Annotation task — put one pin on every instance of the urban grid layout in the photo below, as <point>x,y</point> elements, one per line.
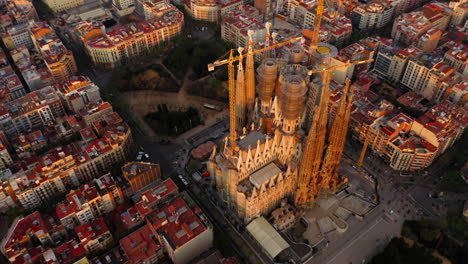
<point>233,131</point>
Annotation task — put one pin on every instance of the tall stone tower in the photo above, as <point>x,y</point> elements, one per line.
<point>323,149</point>
<point>241,105</point>
<point>274,159</point>
<point>250,79</point>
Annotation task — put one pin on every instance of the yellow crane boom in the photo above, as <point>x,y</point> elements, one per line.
<point>221,61</point>
<point>346,64</point>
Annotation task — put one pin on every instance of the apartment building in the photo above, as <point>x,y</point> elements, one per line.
<point>457,57</point>
<point>335,29</point>
<point>155,197</point>
<point>211,10</point>
<point>373,15</point>
<point>26,143</point>
<point>35,110</point>
<point>406,151</point>
<point>95,111</point>
<point>8,198</point>
<point>35,73</point>
<point>21,234</point>
<point>235,26</point>
<point>69,252</point>
<point>89,202</point>
<point>428,41</point>
<point>123,4</point>
<point>392,64</point>
<point>45,177</point>
<point>181,230</point>
<point>5,158</point>
<point>458,94</point>
<point>94,236</point>
<point>126,43</point>
<point>88,30</point>
<point>141,174</point>
<point>141,246</point>
<point>33,190</point>
<point>10,85</point>
<point>424,73</point>
<point>405,143</point>
<point>442,125</point>
<point>403,6</point>
<point>77,92</point>
<point>155,8</point>
<point>151,200</point>
<point>58,59</point>
<point>16,13</point>
<point>408,27</point>
<point>460,14</point>
<point>65,167</point>
<point>17,36</point>
<point>302,13</point>
<point>62,5</point>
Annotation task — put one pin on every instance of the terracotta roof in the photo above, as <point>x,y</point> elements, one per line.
<point>140,245</point>
<point>177,223</point>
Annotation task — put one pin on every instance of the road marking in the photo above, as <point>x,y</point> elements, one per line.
<point>357,238</point>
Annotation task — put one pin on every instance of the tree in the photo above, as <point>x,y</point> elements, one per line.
<point>430,235</point>
<point>356,35</point>
<point>453,181</point>
<point>399,252</point>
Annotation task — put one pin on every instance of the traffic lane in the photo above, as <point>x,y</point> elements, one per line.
<point>160,154</point>
<point>218,220</point>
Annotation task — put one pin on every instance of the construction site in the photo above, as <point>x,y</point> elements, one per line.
<point>286,138</point>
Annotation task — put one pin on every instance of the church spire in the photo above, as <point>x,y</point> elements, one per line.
<point>240,95</point>
<point>313,152</point>
<point>250,78</point>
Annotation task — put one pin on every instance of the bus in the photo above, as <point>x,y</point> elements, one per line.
<point>213,107</point>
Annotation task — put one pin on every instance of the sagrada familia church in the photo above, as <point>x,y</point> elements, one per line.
<point>284,143</point>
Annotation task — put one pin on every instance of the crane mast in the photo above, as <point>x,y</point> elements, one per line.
<point>232,100</point>
<point>315,39</point>
<point>363,152</point>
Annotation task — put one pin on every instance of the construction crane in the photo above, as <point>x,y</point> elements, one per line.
<point>363,152</point>
<point>221,61</point>
<point>346,64</point>
<point>329,70</point>
<point>232,84</point>
<point>315,39</point>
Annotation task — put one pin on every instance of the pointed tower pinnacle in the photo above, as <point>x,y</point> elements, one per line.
<point>273,37</point>
<point>240,95</point>
<point>307,185</point>
<point>250,78</point>
<point>331,161</point>
<point>267,39</point>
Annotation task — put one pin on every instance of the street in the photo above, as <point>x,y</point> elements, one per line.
<point>398,202</point>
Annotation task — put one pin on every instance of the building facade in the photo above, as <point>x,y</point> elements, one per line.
<point>58,59</point>
<point>62,5</point>
<point>372,15</point>
<point>141,174</point>
<point>123,44</point>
